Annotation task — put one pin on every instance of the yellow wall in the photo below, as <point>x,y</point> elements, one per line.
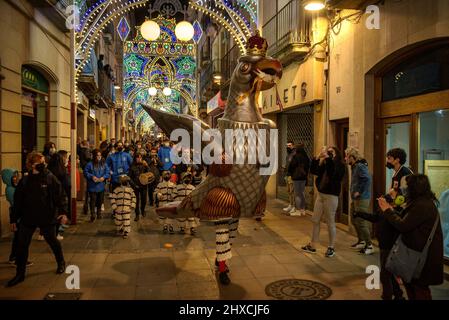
<point>356,50</point>
<point>23,41</point>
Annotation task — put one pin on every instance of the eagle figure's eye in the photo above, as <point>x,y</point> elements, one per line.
<point>245,68</point>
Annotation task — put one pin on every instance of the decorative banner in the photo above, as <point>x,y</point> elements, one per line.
<point>198,32</point>
<point>123,29</point>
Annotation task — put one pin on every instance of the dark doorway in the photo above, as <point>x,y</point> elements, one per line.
<point>29,137</point>
<point>342,132</point>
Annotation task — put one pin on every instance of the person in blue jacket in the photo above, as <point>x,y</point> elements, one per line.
<point>119,164</point>
<point>96,173</point>
<point>164,156</point>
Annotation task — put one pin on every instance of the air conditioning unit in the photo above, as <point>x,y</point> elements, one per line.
<point>107,38</point>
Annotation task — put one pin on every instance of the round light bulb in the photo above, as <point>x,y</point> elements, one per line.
<point>314,5</point>
<point>166,91</point>
<point>152,91</point>
<point>184,31</point>
<point>150,30</point>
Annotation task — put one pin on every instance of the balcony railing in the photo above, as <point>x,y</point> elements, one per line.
<point>106,89</point>
<point>288,30</point>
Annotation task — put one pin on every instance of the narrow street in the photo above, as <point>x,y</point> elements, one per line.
<point>141,267</point>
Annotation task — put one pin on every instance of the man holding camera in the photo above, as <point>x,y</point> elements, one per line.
<point>330,170</point>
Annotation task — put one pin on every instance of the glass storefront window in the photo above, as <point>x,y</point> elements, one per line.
<point>398,136</point>
<point>426,73</point>
<point>434,161</point>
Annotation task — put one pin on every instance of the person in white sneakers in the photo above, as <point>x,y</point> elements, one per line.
<point>288,179</point>
<point>360,195</point>
<point>298,170</point>
<point>123,201</point>
<point>183,190</point>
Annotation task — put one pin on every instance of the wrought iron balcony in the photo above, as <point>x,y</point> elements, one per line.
<point>288,33</point>
<point>106,90</point>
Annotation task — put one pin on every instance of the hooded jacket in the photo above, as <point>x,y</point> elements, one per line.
<point>119,163</point>
<point>299,166</point>
<point>100,171</point>
<point>38,200</point>
<point>7,175</point>
<point>360,180</point>
<point>164,156</point>
<point>329,176</point>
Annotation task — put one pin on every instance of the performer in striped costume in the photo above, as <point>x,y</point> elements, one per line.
<point>165,193</point>
<point>123,200</point>
<point>225,231</point>
<point>183,190</point>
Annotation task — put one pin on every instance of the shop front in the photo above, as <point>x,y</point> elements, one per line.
<point>413,114</point>
<point>296,108</point>
<point>35,112</point>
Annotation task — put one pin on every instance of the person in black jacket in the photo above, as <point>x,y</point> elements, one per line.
<point>330,170</point>
<point>39,203</point>
<point>138,167</point>
<point>59,170</point>
<point>154,163</point>
<point>85,156</point>
<point>298,170</point>
<point>415,224</point>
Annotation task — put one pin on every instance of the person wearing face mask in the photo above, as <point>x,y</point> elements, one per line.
<point>96,174</point>
<point>119,164</point>
<point>360,195</point>
<point>49,150</point>
<point>164,193</point>
<point>330,170</point>
<point>183,190</point>
<point>39,203</point>
<point>154,163</point>
<point>420,226</point>
<point>396,159</point>
<point>288,179</point>
<point>138,168</point>
<point>57,166</point>
<point>164,156</point>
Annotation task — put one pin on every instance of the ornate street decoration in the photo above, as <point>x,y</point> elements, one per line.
<point>238,17</point>
<point>123,29</point>
<point>198,31</point>
<point>164,63</point>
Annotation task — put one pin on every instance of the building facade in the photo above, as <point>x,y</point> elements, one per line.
<point>35,87</point>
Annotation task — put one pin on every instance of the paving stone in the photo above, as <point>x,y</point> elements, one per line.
<point>142,267</point>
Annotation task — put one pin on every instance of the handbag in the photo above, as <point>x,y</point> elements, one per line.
<point>408,263</point>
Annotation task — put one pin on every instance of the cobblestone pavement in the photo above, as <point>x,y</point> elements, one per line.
<point>141,267</point>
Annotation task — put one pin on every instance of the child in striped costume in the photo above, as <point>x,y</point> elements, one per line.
<point>123,201</point>
<point>164,193</point>
<point>183,190</point>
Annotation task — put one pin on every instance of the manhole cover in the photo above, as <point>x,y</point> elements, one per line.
<point>63,296</point>
<point>294,289</point>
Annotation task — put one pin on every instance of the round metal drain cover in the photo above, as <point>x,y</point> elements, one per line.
<point>294,289</point>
